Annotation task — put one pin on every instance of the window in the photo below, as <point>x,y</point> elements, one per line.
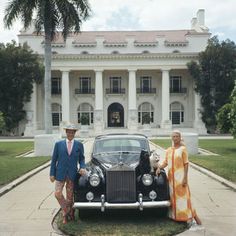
<point>146,113</point>
<point>146,84</point>
<point>56,114</point>
<point>175,84</point>
<point>56,85</point>
<point>85,114</point>
<point>115,52</point>
<point>85,84</point>
<point>176,113</point>
<point>115,84</point>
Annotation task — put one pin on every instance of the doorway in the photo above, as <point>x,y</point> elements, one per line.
<point>115,115</point>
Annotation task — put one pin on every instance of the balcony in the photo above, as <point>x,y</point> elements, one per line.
<point>178,90</point>
<point>84,91</point>
<point>146,90</point>
<point>115,91</point>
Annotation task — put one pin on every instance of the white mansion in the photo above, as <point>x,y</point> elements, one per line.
<point>115,81</point>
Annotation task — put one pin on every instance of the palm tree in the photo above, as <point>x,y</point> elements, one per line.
<point>50,16</point>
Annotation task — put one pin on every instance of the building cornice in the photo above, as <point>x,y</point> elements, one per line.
<point>125,56</point>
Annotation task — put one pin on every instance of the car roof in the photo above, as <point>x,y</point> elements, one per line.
<point>121,135</point>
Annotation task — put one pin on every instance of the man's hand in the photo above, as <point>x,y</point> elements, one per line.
<point>82,172</point>
<point>52,179</point>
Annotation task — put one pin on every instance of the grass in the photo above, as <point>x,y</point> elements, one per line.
<point>123,223</point>
<point>224,164</point>
<point>11,166</point>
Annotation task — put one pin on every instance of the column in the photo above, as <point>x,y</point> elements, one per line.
<point>31,114</point>
<point>65,97</point>
<point>198,123</point>
<point>98,90</point>
<point>34,100</point>
<point>165,121</point>
<point>98,112</point>
<point>132,106</point>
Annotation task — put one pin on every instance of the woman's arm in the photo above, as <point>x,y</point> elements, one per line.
<point>185,162</point>
<point>185,179</point>
<point>162,165</point>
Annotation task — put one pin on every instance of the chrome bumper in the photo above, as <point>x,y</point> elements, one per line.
<point>136,205</point>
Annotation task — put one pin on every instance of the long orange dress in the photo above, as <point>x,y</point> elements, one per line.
<point>181,206</point>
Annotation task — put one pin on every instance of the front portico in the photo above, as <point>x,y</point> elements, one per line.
<point>120,99</point>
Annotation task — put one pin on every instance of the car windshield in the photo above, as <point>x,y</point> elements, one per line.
<point>114,150</point>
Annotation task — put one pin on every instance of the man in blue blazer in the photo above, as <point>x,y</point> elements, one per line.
<point>66,156</point>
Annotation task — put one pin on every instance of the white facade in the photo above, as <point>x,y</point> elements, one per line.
<point>117,78</point>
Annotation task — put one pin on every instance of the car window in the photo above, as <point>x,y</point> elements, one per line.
<point>124,144</point>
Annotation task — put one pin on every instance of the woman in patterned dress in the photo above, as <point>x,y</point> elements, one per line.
<point>177,161</point>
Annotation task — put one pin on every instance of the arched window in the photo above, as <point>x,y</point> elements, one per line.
<point>56,114</point>
<point>85,114</point>
<point>145,113</point>
<point>176,113</point>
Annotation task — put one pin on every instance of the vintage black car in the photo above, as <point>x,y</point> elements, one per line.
<point>119,176</point>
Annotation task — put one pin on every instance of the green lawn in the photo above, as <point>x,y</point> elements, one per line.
<point>123,223</point>
<point>223,165</point>
<point>12,167</point>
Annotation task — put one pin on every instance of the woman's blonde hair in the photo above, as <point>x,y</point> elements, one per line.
<point>179,133</point>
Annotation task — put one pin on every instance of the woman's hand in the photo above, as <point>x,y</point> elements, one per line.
<point>158,170</point>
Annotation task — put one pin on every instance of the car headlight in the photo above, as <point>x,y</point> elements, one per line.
<point>147,179</point>
<point>94,180</point>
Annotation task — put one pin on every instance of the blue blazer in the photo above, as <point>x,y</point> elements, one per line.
<point>64,165</point>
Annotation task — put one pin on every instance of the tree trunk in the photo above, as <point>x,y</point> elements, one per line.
<point>47,85</point>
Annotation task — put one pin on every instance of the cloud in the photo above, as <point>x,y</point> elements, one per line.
<point>155,15</point>
<point>123,18</point>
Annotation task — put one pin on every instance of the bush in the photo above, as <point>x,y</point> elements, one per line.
<point>224,119</point>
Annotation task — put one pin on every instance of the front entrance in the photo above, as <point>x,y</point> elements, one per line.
<point>115,115</point>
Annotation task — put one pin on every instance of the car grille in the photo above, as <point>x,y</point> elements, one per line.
<point>120,184</point>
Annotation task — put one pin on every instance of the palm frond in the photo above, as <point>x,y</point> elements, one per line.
<point>12,11</point>
<point>50,15</point>
<point>22,9</point>
<point>72,15</point>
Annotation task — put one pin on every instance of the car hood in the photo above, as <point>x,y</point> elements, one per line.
<point>111,159</point>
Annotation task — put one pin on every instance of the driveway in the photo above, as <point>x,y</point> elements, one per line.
<point>29,208</point>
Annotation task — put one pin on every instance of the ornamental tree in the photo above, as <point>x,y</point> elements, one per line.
<point>19,68</point>
<point>214,76</point>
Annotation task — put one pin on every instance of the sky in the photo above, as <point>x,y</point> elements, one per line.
<point>148,15</point>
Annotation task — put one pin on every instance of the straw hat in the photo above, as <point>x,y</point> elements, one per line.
<point>71,127</point>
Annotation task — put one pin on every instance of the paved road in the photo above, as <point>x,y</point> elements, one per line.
<point>28,209</point>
